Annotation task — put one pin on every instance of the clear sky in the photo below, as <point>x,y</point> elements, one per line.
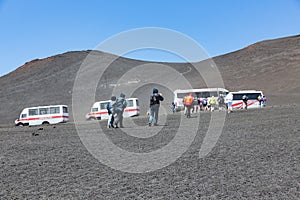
<point>33,29</point>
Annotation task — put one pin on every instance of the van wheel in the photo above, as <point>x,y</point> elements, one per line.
<point>93,119</point>
<point>20,124</point>
<point>45,123</point>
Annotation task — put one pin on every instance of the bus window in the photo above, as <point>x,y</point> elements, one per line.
<point>215,94</point>
<point>33,112</point>
<point>65,109</point>
<point>182,95</point>
<point>54,110</point>
<point>44,111</point>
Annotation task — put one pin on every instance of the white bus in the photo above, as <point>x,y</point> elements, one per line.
<point>43,115</point>
<point>99,111</point>
<point>199,93</point>
<point>237,102</point>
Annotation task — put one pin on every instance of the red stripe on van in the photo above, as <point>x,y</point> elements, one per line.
<point>131,109</point>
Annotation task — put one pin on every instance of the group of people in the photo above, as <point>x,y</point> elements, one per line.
<point>117,106</point>
<point>115,109</point>
<point>262,100</point>
<point>195,105</point>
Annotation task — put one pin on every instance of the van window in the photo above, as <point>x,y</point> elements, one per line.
<point>23,115</point>
<point>251,96</point>
<point>130,103</point>
<point>65,109</point>
<point>103,106</point>
<point>33,112</point>
<point>54,110</point>
<point>94,109</point>
<point>44,111</point>
<point>137,103</point>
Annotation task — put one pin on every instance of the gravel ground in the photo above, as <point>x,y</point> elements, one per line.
<point>256,157</point>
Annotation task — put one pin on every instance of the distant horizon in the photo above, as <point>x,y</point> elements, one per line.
<point>30,30</point>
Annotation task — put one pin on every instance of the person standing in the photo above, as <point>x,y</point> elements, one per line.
<point>173,107</point>
<point>155,100</point>
<point>260,99</point>
<point>118,108</point>
<point>245,101</point>
<point>188,103</point>
<point>228,101</point>
<point>196,105</point>
<point>221,102</point>
<point>110,111</point>
<point>264,100</point>
<point>212,103</point>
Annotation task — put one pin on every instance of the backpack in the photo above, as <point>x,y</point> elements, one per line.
<point>221,100</point>
<point>188,100</point>
<point>153,99</point>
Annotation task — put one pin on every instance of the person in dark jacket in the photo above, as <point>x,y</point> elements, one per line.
<point>155,99</point>
<point>118,108</point>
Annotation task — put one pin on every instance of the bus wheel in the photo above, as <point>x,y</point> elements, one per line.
<point>45,123</point>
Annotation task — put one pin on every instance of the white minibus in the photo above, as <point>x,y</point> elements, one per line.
<point>199,93</point>
<point>99,111</point>
<point>43,115</point>
<point>253,102</point>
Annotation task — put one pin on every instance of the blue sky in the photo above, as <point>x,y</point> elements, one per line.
<point>41,28</point>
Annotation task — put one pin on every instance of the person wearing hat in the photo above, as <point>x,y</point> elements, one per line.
<point>155,99</point>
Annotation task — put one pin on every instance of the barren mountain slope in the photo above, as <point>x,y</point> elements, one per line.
<point>272,66</point>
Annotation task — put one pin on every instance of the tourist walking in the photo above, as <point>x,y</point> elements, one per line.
<point>212,103</point>
<point>245,101</point>
<point>118,108</point>
<point>173,107</point>
<point>110,111</point>
<point>155,100</point>
<point>188,103</point>
<point>228,101</point>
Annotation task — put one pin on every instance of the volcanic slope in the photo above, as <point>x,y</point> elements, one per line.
<point>272,66</point>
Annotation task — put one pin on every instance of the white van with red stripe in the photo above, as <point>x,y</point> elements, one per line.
<point>43,115</point>
<point>237,102</point>
<point>99,111</point>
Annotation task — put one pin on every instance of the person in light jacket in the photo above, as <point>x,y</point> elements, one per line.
<point>118,108</point>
